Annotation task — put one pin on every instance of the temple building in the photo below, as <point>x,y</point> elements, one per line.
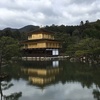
<point>41,43</point>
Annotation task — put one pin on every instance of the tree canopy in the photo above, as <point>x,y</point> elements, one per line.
<point>9,48</point>
<point>74,38</point>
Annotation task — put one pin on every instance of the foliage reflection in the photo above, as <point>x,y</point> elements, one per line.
<point>43,74</point>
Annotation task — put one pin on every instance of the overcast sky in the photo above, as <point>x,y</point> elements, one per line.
<point>19,13</point>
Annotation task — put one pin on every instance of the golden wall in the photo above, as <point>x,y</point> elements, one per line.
<point>36,45</point>
<point>43,45</point>
<point>40,36</point>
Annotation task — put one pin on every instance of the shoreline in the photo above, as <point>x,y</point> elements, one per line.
<point>44,58</point>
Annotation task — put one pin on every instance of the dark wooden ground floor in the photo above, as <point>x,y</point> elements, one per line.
<point>37,52</point>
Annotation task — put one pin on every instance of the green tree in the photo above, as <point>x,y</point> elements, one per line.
<point>9,48</point>
<point>91,32</point>
<point>88,47</point>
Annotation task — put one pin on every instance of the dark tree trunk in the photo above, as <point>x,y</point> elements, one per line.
<point>0,63</point>
<point>1,91</point>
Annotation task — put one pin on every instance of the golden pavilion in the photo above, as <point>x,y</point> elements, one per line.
<point>41,43</point>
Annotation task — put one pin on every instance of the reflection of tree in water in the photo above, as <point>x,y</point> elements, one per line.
<point>96,93</point>
<point>72,72</point>
<point>86,75</point>
<point>13,96</point>
<point>4,85</point>
<point>1,91</point>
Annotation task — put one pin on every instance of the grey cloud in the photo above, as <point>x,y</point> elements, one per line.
<point>18,13</point>
<point>11,5</point>
<point>48,12</point>
<point>83,1</point>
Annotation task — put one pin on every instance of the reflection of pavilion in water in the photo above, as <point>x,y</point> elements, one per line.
<point>42,76</point>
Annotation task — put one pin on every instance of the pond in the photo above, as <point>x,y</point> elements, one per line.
<point>52,80</point>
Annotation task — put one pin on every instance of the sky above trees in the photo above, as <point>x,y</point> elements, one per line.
<point>19,13</point>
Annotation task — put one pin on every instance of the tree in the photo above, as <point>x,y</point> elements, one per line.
<point>16,35</point>
<point>88,47</point>
<point>8,48</point>
<point>7,32</point>
<point>91,32</point>
<point>87,22</point>
<point>81,23</point>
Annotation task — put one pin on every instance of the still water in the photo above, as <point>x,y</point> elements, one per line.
<point>52,80</point>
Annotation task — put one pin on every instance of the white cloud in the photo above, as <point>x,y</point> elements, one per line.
<point>18,13</point>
